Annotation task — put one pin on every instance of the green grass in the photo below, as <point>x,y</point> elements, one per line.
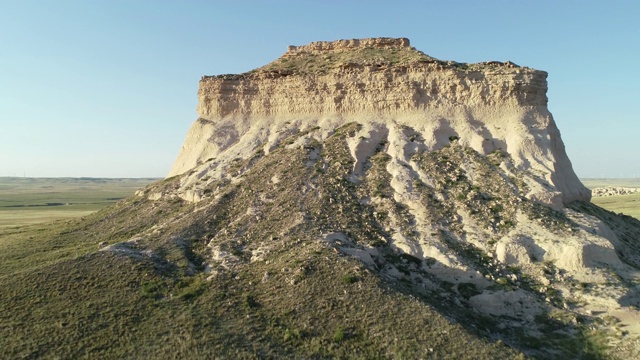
<point>60,297</point>
<point>101,305</point>
<point>25,201</point>
<point>626,204</point>
<point>33,246</point>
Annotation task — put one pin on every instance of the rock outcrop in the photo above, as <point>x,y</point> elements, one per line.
<point>614,191</point>
<point>385,85</point>
<point>351,44</point>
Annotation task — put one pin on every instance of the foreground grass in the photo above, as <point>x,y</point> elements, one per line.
<point>60,297</point>
<point>28,247</point>
<point>104,305</point>
<point>25,201</point>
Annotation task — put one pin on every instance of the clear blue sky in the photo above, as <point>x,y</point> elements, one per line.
<point>107,88</point>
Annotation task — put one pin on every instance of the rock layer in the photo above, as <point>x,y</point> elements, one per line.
<point>341,45</point>
<point>614,191</point>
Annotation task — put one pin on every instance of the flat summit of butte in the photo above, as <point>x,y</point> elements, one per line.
<point>354,198</point>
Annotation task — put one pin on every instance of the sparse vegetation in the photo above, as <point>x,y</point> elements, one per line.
<point>251,270</point>
<point>320,63</point>
<point>349,279</point>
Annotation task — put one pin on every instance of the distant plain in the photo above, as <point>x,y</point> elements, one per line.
<point>26,201</point>
<point>625,204</point>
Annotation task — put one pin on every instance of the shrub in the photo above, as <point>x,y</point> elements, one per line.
<point>250,301</point>
<point>467,290</point>
<point>349,279</point>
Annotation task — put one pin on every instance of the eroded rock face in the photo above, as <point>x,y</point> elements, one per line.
<point>384,82</point>
<point>374,89</point>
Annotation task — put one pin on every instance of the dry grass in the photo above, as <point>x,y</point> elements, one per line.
<point>625,204</point>
<point>592,183</point>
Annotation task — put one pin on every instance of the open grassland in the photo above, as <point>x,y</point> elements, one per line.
<point>26,201</point>
<point>625,204</point>
<point>592,183</point>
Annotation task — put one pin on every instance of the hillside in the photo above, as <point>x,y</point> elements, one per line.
<point>386,205</point>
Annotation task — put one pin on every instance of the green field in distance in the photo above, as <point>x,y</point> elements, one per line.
<point>592,183</point>
<point>625,204</point>
<point>25,201</point>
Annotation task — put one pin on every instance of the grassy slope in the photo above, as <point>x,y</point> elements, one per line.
<point>59,297</point>
<point>323,62</point>
<point>318,63</point>
<point>90,304</point>
<point>26,201</point>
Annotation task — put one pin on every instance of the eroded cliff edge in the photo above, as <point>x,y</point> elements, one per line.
<point>385,85</point>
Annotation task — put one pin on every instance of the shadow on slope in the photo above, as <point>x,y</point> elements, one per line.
<point>626,229</point>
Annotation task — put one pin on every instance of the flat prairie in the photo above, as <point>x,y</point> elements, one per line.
<point>625,204</point>
<point>592,183</point>
<point>25,201</point>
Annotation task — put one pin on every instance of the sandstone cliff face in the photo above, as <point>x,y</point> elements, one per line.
<point>371,89</point>
<point>385,85</point>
